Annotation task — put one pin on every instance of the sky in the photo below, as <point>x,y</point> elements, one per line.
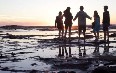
<point>44,12</point>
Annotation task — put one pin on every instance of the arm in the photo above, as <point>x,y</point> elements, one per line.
<point>87,16</point>
<point>109,19</point>
<point>75,17</point>
<point>56,22</point>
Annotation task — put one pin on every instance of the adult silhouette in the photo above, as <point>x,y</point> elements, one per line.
<point>106,22</point>
<point>81,21</point>
<point>68,21</point>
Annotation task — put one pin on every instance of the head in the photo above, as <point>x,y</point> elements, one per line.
<point>105,8</point>
<point>81,8</point>
<point>68,8</point>
<point>96,14</point>
<point>60,13</point>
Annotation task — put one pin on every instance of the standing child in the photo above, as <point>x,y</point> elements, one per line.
<point>59,24</point>
<point>96,27</point>
<point>106,22</point>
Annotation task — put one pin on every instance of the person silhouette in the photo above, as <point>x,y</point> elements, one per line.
<point>106,22</point>
<point>59,24</point>
<point>81,21</point>
<point>68,21</point>
<point>96,27</point>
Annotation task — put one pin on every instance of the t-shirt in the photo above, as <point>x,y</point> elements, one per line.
<point>106,17</point>
<point>82,17</point>
<point>59,19</point>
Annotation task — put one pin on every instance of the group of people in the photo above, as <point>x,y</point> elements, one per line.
<point>81,15</point>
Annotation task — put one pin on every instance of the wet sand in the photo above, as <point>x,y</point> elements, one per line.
<point>32,53</point>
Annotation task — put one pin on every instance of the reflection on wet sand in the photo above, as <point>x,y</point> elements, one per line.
<point>39,52</point>
<point>82,52</point>
<point>106,48</point>
<point>64,50</point>
<point>96,50</point>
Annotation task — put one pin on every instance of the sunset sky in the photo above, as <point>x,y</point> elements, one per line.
<point>44,12</point>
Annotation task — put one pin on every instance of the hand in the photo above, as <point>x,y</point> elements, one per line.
<point>73,19</point>
<point>91,18</point>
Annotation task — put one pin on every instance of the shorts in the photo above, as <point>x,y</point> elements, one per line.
<point>81,27</point>
<point>68,23</point>
<point>105,27</point>
<point>68,26</point>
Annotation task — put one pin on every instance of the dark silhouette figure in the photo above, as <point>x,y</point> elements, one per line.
<point>106,22</point>
<point>59,24</point>
<point>96,27</point>
<point>68,21</point>
<point>81,21</point>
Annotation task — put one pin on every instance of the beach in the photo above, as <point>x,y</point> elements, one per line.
<point>39,50</point>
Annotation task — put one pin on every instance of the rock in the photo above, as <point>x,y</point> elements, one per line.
<point>101,69</point>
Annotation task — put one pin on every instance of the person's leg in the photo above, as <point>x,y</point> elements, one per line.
<point>69,32</point>
<point>104,35</point>
<point>62,33</point>
<point>107,35</point>
<point>66,27</point>
<point>62,29</point>
<point>59,33</point>
<point>84,30</point>
<point>104,29</point>
<point>79,36</point>
<point>97,35</point>
<point>84,37</point>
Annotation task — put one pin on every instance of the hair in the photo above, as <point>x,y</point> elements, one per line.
<point>81,7</point>
<point>60,13</point>
<point>105,7</point>
<point>96,14</point>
